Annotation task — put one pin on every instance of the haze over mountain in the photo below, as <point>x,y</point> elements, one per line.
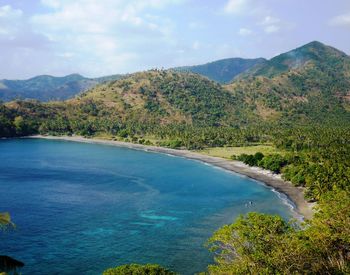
<point>223,71</point>
<point>313,55</point>
<point>295,59</point>
<point>46,87</point>
<point>309,85</point>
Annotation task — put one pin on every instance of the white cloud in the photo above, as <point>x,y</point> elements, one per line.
<point>341,20</point>
<point>254,9</point>
<point>8,12</point>
<point>21,48</point>
<point>245,7</point>
<point>268,20</point>
<point>271,24</point>
<point>236,6</point>
<point>51,3</point>
<point>14,30</point>
<point>245,32</point>
<point>113,33</point>
<point>9,20</point>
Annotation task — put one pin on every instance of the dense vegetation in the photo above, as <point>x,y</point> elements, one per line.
<point>317,158</point>
<point>265,244</point>
<point>309,85</point>
<point>298,102</point>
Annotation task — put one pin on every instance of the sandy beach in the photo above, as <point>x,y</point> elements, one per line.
<point>295,194</point>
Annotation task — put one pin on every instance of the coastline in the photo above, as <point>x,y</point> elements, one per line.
<point>294,194</point>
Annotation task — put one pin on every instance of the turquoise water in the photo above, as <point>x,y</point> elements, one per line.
<point>81,208</point>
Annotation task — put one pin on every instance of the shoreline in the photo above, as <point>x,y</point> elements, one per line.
<point>294,194</point>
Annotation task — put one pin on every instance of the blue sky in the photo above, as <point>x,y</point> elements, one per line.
<point>102,37</point>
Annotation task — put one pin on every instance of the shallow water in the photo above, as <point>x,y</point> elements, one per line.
<point>81,208</point>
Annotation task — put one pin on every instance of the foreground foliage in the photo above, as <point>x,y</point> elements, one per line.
<point>8,265</point>
<point>265,244</point>
<point>5,221</point>
<point>137,269</point>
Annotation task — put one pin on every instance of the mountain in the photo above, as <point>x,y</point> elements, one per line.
<point>46,88</point>
<point>163,97</point>
<point>223,71</point>
<point>310,83</point>
<point>307,86</point>
<point>314,52</point>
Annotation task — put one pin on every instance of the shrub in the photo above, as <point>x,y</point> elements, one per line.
<point>273,162</point>
<point>251,160</point>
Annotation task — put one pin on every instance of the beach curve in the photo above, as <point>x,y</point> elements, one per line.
<point>293,193</point>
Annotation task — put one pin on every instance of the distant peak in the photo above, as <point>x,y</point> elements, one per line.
<point>315,44</point>
<point>74,75</point>
<point>320,48</point>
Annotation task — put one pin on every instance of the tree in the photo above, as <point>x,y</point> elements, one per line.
<point>273,162</point>
<point>264,244</point>
<point>329,233</point>
<point>250,245</point>
<point>19,125</point>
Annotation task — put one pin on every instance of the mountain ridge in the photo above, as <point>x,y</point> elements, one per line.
<point>47,87</point>
<point>223,70</point>
<point>292,59</point>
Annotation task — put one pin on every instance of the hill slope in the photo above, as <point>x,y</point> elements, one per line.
<point>311,83</point>
<point>223,71</point>
<point>46,88</point>
<point>315,92</point>
<point>165,97</point>
<point>315,52</point>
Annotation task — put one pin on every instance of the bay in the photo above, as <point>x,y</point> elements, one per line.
<point>82,208</point>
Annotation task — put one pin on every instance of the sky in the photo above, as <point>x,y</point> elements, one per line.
<point>104,37</point>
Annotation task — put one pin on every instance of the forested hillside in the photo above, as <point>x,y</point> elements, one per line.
<point>316,92</point>
<point>46,88</point>
<point>308,85</point>
<point>223,71</point>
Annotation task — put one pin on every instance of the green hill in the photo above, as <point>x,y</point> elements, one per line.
<point>223,71</point>
<point>309,84</point>
<point>46,88</point>
<point>163,97</point>
<point>314,52</point>
<point>316,91</point>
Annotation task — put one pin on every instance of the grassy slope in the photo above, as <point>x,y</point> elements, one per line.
<point>227,152</point>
